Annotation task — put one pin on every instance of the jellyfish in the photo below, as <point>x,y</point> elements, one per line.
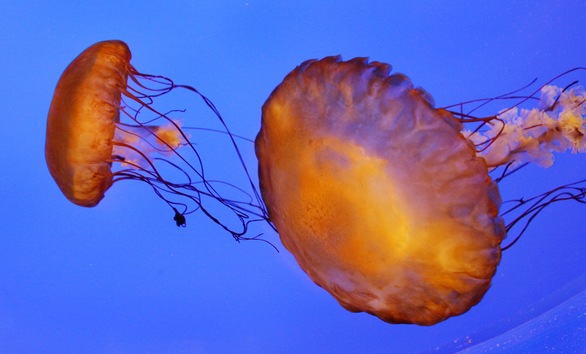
<point>387,202</point>
<point>103,127</point>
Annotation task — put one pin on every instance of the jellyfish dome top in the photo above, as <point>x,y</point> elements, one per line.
<point>381,198</point>
<point>103,127</point>
<point>82,122</point>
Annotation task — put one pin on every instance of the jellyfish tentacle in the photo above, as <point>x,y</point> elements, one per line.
<point>531,207</point>
<point>210,104</point>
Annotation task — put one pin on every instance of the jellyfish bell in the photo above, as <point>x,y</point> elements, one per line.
<point>381,198</point>
<point>82,122</point>
<point>378,196</point>
<point>103,127</point>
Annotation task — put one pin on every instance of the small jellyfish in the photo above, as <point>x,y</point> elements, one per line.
<point>103,127</point>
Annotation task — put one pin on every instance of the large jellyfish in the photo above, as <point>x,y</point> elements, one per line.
<point>102,130</point>
<point>387,202</point>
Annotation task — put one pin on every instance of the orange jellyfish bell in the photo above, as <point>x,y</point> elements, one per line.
<point>81,122</point>
<point>380,198</point>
